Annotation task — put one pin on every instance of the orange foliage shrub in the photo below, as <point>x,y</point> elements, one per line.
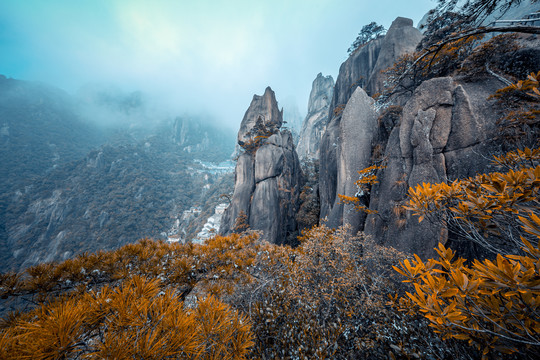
<point>489,54</point>
<point>241,223</point>
<point>129,303</point>
<point>494,305</point>
<point>412,69</point>
<point>339,109</point>
<point>521,123</point>
<point>485,208</point>
<point>367,177</point>
<point>258,134</point>
<point>137,320</point>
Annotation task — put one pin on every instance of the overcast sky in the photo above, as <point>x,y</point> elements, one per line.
<point>197,55</point>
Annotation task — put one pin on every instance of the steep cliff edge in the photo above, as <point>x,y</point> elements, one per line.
<point>317,117</point>
<point>268,174</point>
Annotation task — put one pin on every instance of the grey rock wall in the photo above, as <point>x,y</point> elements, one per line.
<point>357,130</point>
<point>400,39</point>
<point>244,185</point>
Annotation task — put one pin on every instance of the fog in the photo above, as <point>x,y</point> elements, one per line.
<point>206,57</point>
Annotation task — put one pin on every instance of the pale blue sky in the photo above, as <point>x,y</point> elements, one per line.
<point>192,55</point>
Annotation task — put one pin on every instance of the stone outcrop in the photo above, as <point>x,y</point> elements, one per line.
<point>361,69</point>
<point>443,131</point>
<point>446,130</point>
<point>292,118</point>
<point>317,117</point>
<point>198,134</point>
<point>190,134</point>
<point>355,71</point>
<point>267,178</point>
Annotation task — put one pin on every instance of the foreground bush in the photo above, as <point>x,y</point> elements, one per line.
<point>327,299</point>
<point>136,320</point>
<point>494,305</point>
<point>149,300</point>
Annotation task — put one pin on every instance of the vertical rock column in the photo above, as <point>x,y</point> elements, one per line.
<point>356,131</point>
<point>267,179</point>
<point>362,69</point>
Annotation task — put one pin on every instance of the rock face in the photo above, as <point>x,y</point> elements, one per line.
<point>264,107</point>
<point>356,132</point>
<point>444,133</point>
<point>197,134</point>
<point>292,118</point>
<point>267,178</point>
<point>400,39</point>
<point>316,118</point>
<point>190,134</point>
<point>361,69</point>
<point>446,130</point>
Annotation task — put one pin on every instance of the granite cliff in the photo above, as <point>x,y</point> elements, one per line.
<point>446,129</point>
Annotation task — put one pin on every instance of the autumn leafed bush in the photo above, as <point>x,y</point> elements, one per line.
<point>149,300</point>
<point>492,304</point>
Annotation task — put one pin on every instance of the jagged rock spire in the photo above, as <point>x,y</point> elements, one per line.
<point>268,177</point>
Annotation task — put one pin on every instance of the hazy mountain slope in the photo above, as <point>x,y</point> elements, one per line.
<point>113,196</point>
<point>67,187</point>
<point>39,129</point>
